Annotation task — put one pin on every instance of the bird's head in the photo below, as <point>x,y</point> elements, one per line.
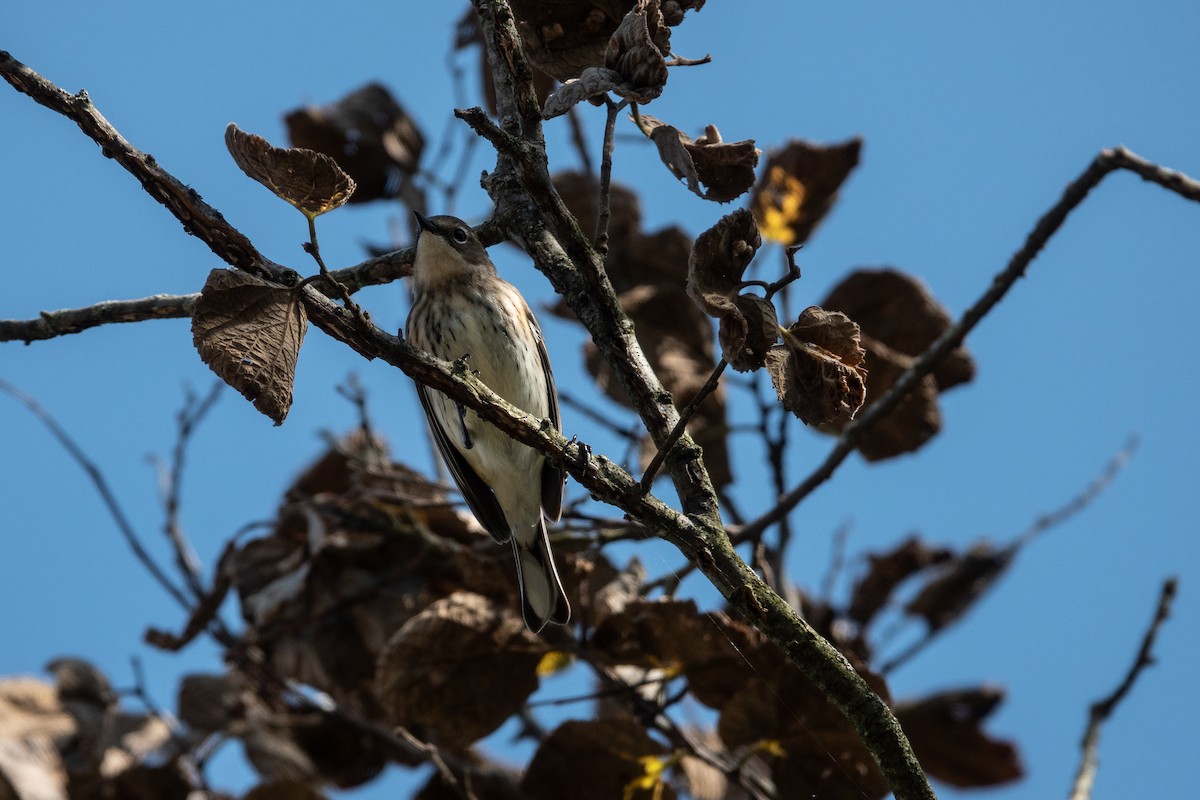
<point>448,250</point>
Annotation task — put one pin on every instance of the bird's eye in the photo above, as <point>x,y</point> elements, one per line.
<point>459,235</point>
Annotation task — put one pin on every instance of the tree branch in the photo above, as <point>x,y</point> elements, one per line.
<point>1102,709</point>
<point>698,533</point>
<point>1105,162</point>
<point>73,320</point>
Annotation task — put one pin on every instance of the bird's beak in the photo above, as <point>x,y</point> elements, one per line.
<point>422,221</point>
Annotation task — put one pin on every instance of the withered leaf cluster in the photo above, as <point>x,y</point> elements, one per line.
<point>648,272</point>
<point>564,38</point>
<point>249,332</point>
<point>899,318</point>
<point>720,255</point>
<point>311,181</point>
<point>635,64</point>
<point>371,137</point>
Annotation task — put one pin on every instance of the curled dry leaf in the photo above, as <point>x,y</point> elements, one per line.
<point>456,671</point>
<point>718,259</point>
<point>888,570</point>
<point>915,421</point>
<point>799,186</point>
<point>368,134</point>
<point>637,52</point>
<point>946,731</point>
<point>818,372</point>
<point>749,327</point>
<point>564,37</point>
<point>249,332</point>
<point>311,181</point>
<point>726,169</point>
<point>599,760</point>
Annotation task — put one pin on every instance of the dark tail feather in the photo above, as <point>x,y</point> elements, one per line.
<point>542,597</point>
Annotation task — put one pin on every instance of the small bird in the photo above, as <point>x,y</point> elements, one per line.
<point>462,309</point>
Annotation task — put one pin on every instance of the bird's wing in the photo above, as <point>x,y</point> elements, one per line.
<point>553,478</point>
<point>479,496</point>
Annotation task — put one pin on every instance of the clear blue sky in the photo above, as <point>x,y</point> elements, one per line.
<point>974,116</point>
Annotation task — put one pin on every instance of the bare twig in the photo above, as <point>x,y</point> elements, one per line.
<point>106,493</point>
<point>1104,163</point>
<point>685,416</point>
<point>1004,558</point>
<point>73,320</point>
<point>1081,501</point>
<point>1102,709</point>
<point>603,204</point>
<point>171,479</point>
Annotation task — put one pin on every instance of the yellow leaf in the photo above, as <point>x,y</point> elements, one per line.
<point>554,661</point>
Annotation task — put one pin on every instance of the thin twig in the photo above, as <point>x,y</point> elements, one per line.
<point>73,320</point>
<point>189,418</point>
<point>1102,709</point>
<point>606,154</point>
<point>106,493</point>
<point>836,561</point>
<point>685,416</point>
<point>1104,163</point>
<point>1007,555</point>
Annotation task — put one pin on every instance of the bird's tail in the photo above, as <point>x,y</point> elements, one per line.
<point>542,597</point>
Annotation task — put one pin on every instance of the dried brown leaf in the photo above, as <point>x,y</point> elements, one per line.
<point>580,191</point>
<point>726,169</point>
<point>456,671</point>
<point>799,186</point>
<point>899,310</point>
<point>959,584</point>
<point>599,760</point>
<point>948,739</point>
<point>369,134</point>
<point>817,752</point>
<point>311,181</point>
<point>818,372</point>
<point>249,332</point>
<point>887,571</point>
